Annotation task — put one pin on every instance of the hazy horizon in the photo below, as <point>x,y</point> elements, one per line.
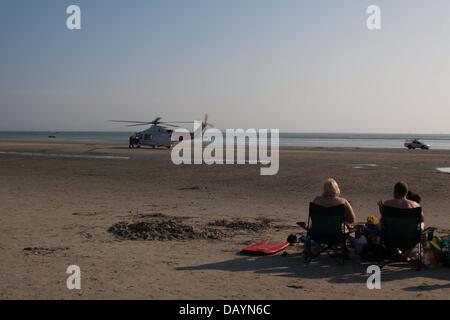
<point>406,135</point>
<point>293,65</point>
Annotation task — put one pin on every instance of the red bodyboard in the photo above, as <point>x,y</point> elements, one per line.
<point>266,247</point>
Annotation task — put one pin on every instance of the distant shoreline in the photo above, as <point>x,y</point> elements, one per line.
<point>287,139</point>
<point>36,145</point>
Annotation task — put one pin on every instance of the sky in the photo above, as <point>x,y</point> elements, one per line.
<point>293,65</point>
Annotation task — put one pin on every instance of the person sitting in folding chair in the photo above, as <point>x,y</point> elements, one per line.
<point>331,197</point>
<point>401,226</point>
<point>329,215</point>
<point>403,199</point>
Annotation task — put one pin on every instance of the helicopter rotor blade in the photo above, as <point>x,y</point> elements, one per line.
<point>138,124</point>
<point>157,120</point>
<point>171,125</point>
<point>178,122</point>
<point>127,121</point>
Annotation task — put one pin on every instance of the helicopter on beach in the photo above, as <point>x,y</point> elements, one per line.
<point>159,134</point>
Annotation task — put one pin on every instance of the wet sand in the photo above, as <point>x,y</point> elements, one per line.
<point>59,200</point>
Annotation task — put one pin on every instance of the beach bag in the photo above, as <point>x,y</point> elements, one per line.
<point>439,247</point>
<point>292,239</point>
<point>445,243</point>
<point>432,253</point>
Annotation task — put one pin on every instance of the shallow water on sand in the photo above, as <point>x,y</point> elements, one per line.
<point>57,155</point>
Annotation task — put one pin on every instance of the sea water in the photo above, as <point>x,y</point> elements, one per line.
<point>288,139</point>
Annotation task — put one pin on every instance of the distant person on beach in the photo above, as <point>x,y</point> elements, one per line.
<point>331,197</point>
<point>137,139</point>
<point>403,199</point>
<point>131,142</point>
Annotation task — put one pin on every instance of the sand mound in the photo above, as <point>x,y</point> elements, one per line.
<point>238,225</point>
<point>43,251</point>
<point>159,227</point>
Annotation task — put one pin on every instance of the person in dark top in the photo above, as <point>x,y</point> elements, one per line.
<point>137,140</point>
<point>131,142</point>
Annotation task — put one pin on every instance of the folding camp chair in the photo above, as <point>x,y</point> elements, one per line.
<point>326,227</point>
<point>400,233</point>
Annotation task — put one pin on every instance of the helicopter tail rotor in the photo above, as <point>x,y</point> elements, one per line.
<point>206,124</point>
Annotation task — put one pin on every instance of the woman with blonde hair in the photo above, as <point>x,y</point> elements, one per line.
<point>331,197</point>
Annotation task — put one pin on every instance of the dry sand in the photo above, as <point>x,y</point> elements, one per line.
<point>56,211</point>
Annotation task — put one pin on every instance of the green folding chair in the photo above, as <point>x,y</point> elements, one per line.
<point>401,233</point>
<point>326,227</point>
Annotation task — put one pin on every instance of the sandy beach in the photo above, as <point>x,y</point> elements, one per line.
<point>59,199</point>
